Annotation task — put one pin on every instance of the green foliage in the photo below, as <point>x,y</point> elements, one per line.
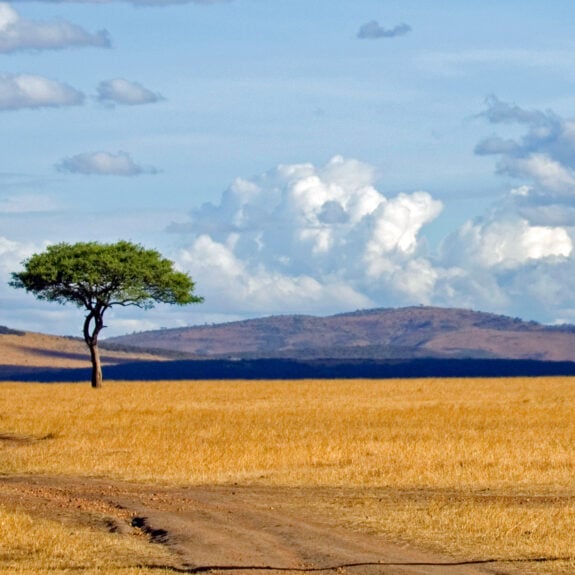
<point>97,276</point>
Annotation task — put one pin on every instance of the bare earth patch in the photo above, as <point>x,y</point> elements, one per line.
<point>243,529</point>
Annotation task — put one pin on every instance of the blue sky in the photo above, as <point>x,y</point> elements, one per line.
<point>295,156</point>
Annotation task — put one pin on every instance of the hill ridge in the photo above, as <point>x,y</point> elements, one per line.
<point>377,333</point>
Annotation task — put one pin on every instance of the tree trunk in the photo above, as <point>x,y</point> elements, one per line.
<point>96,365</point>
<point>91,339</point>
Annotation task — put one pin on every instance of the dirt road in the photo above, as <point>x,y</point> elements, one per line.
<point>242,529</point>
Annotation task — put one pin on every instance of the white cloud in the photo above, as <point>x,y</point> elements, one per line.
<point>12,254</point>
<point>396,226</point>
<point>544,171</point>
<point>503,263</point>
<point>542,159</point>
<point>31,91</point>
<point>230,283</point>
<point>322,239</point>
<point>307,239</point>
<point>506,243</point>
<point>103,164</point>
<point>16,33</point>
<point>123,92</point>
<point>300,237</point>
<point>518,258</point>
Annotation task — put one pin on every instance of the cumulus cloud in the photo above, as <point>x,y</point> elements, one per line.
<point>124,92</point>
<point>511,267</point>
<point>519,255</point>
<point>31,91</point>
<point>306,237</point>
<point>373,31</point>
<point>548,173</point>
<point>321,239</point>
<point>17,33</point>
<point>505,243</point>
<point>103,164</point>
<point>235,284</point>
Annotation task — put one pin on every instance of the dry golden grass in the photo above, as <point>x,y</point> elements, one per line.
<point>32,545</point>
<point>476,468</point>
<point>451,434</point>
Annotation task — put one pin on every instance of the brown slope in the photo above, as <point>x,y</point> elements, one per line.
<point>406,332</point>
<point>26,349</point>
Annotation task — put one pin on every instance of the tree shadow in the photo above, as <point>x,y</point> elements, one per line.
<point>294,369</point>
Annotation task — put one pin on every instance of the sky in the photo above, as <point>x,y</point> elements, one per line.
<point>294,156</point>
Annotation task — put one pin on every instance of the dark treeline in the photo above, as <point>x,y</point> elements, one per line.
<point>295,369</point>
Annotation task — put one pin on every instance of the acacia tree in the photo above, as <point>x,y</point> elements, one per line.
<point>97,276</point>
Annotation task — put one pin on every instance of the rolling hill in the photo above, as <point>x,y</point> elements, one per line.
<point>23,353</point>
<point>377,334</point>
<point>379,343</point>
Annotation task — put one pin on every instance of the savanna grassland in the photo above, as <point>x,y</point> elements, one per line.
<point>470,468</point>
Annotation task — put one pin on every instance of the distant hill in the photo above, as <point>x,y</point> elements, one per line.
<point>377,334</point>
<point>379,343</point>
<point>23,353</point>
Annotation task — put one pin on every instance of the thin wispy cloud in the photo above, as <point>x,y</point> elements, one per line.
<point>103,164</point>
<point>32,91</point>
<point>120,91</point>
<point>26,203</point>
<point>374,31</point>
<point>17,33</point>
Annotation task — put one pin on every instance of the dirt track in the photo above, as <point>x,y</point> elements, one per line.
<point>227,528</point>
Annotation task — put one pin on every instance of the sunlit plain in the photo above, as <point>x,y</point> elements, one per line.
<point>475,468</point>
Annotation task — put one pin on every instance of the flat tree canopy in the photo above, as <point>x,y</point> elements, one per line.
<point>97,276</point>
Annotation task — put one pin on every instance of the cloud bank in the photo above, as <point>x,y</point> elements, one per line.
<point>123,92</point>
<point>16,33</point>
<point>32,91</point>
<point>308,239</point>
<point>103,164</point>
<point>373,31</point>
